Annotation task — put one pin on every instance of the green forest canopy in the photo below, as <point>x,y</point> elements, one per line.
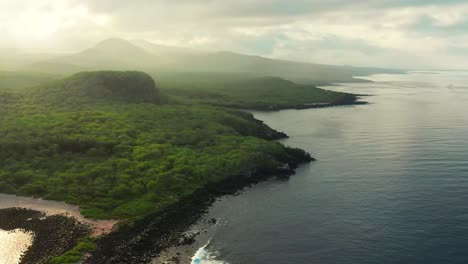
<point>82,141</point>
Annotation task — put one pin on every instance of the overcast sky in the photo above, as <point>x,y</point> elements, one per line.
<point>390,33</point>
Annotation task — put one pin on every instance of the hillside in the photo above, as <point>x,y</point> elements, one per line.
<point>230,62</point>
<point>265,93</point>
<point>98,87</point>
<point>97,140</point>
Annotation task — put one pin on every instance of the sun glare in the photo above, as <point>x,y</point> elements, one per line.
<point>102,20</point>
<point>39,24</point>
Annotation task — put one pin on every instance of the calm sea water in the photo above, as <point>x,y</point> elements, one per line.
<point>390,184</point>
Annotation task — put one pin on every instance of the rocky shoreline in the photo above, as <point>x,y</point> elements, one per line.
<point>49,208</point>
<point>53,235</point>
<point>147,238</point>
<point>347,100</point>
<point>142,240</point>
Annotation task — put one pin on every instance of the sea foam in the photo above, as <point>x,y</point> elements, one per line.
<point>203,256</point>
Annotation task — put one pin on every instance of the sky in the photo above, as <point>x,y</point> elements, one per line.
<point>421,34</point>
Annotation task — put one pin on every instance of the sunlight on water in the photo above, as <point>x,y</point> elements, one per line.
<point>203,256</point>
<point>13,244</point>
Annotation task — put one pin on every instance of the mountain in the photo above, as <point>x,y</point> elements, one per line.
<point>118,54</point>
<point>111,54</point>
<point>164,50</point>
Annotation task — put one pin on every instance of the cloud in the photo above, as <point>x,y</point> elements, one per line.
<point>397,33</point>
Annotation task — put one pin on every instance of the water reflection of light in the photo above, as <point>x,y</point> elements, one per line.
<point>13,244</point>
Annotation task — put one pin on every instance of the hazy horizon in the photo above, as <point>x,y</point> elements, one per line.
<point>395,34</point>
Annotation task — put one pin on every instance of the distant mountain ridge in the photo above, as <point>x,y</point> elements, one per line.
<point>110,54</point>
<point>119,54</point>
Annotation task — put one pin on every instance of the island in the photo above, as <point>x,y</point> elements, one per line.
<point>118,147</point>
<point>140,155</point>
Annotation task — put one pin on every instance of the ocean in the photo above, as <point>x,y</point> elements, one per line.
<point>390,184</point>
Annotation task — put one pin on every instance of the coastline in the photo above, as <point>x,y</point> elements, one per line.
<point>348,100</point>
<point>52,235</point>
<point>51,208</point>
<point>148,237</point>
<point>145,239</point>
<point>181,253</point>
<point>56,226</point>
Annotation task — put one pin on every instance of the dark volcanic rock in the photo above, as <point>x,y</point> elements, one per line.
<point>53,235</point>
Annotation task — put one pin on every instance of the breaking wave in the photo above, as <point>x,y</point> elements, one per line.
<point>203,256</point>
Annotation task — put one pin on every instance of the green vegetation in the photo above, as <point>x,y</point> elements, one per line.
<point>119,158</point>
<point>76,254</point>
<point>267,93</point>
<point>85,88</point>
